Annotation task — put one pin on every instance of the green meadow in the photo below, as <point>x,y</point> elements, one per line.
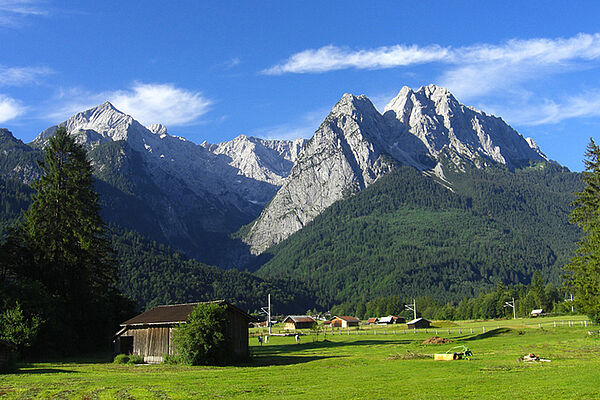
<point>379,363</point>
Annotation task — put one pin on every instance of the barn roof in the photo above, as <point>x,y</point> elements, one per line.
<point>299,318</point>
<point>414,321</point>
<point>372,320</point>
<point>347,318</point>
<point>175,313</point>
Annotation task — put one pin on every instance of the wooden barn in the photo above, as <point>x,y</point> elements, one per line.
<point>419,323</point>
<point>150,334</point>
<point>292,322</point>
<point>344,322</point>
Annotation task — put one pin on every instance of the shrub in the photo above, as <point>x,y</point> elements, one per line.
<point>204,339</point>
<point>135,359</point>
<point>170,359</point>
<point>121,359</point>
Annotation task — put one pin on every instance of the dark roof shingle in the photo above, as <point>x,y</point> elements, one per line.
<point>173,314</point>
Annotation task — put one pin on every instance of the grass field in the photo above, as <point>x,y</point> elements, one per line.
<point>373,365</point>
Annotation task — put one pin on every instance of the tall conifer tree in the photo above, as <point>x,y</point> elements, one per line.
<point>63,224</point>
<point>585,265</point>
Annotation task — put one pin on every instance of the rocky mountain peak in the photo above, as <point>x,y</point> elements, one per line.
<point>157,129</point>
<point>350,105</point>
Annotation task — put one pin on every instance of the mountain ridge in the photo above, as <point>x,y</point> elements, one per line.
<point>427,129</point>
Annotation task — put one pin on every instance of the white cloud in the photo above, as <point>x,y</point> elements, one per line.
<point>161,103</point>
<point>16,76</point>
<point>531,52</point>
<point>12,12</point>
<point>545,111</point>
<point>482,69</point>
<point>146,102</point>
<point>331,58</point>
<point>10,108</point>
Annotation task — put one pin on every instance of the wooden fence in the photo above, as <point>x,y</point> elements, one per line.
<point>402,330</point>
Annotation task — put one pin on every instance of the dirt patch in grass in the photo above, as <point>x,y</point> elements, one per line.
<point>437,340</point>
<point>409,355</point>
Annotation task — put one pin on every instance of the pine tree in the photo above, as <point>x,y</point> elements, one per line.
<point>70,254</point>
<point>584,267</point>
<point>64,226</point>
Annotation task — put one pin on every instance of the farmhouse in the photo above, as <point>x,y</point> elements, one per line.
<point>150,334</point>
<point>372,321</point>
<point>419,323</point>
<point>537,312</point>
<point>391,319</point>
<point>298,322</point>
<point>344,322</point>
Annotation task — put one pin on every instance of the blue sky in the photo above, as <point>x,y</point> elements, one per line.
<point>214,70</point>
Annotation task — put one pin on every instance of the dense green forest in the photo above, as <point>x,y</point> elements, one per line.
<point>152,274</point>
<point>408,234</point>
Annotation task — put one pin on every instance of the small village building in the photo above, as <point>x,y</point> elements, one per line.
<point>537,312</point>
<point>391,319</point>
<point>419,323</point>
<point>292,322</point>
<point>372,321</point>
<point>150,334</point>
<point>344,322</point>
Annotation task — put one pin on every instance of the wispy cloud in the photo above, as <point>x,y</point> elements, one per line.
<point>10,108</point>
<point>146,102</point>
<point>477,72</point>
<point>17,76</point>
<point>542,52</point>
<point>546,111</point>
<point>331,58</point>
<point>12,12</point>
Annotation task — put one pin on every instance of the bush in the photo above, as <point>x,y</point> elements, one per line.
<point>170,359</point>
<point>204,339</point>
<point>121,359</point>
<point>135,359</point>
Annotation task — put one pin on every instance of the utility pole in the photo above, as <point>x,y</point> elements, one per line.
<point>511,304</point>
<point>267,310</point>
<point>572,308</point>
<point>412,307</point>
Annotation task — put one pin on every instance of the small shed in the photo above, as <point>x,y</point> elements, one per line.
<point>150,334</point>
<point>344,321</point>
<point>419,323</point>
<point>372,321</point>
<point>292,322</point>
<point>391,319</point>
<point>537,312</point>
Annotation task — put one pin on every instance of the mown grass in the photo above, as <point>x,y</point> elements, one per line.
<point>378,366</point>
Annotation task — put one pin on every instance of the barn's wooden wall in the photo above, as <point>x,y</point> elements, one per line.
<point>239,333</point>
<point>150,342</point>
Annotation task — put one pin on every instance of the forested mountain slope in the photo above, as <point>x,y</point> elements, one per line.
<point>408,234</point>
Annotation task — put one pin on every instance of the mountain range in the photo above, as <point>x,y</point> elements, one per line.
<point>301,209</point>
<point>427,129</point>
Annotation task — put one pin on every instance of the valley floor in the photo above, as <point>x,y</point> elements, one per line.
<point>374,366</point>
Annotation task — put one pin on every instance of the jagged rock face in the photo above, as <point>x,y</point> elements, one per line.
<point>446,127</point>
<point>427,129</point>
<point>268,161</point>
<point>189,189</point>
<point>340,159</point>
